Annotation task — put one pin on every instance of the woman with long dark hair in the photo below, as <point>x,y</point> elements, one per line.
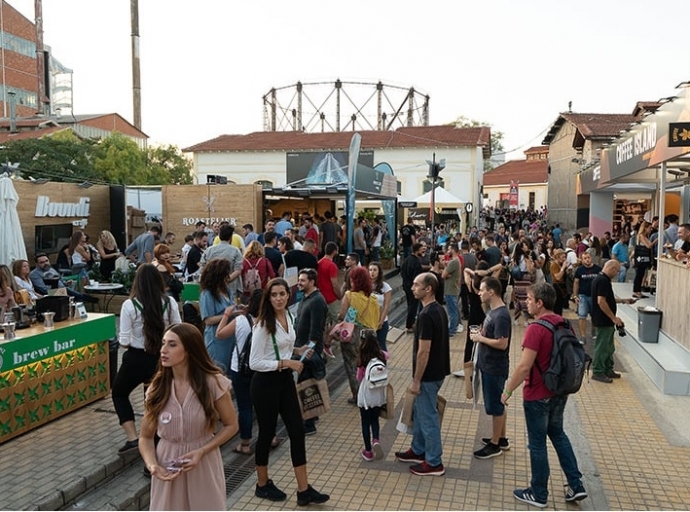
<point>383,293</point>
<point>273,392</point>
<point>213,301</point>
<point>187,398</point>
<point>642,257</point>
<point>143,319</point>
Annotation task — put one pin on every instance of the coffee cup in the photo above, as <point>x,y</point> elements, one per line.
<point>474,329</point>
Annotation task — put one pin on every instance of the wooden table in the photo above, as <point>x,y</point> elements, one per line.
<point>47,373</point>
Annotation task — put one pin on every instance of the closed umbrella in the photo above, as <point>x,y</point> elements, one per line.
<point>11,239</point>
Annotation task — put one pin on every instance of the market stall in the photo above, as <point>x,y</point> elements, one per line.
<point>46,373</point>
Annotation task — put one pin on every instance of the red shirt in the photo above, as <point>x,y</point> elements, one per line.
<point>325,271</point>
<point>540,339</point>
<point>311,234</point>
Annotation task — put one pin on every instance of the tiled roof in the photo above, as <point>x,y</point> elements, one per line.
<point>591,126</point>
<point>30,134</point>
<point>524,171</point>
<point>537,149</point>
<point>407,137</point>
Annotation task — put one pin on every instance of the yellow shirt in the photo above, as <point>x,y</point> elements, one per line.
<point>368,310</point>
<point>236,241</point>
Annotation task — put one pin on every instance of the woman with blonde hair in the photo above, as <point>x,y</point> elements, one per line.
<point>187,398</point>
<point>256,269</point>
<point>642,257</point>
<point>79,255</point>
<point>107,248</point>
<point>6,292</point>
<point>21,270</point>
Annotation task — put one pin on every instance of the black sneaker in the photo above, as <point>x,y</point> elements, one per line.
<point>575,494</point>
<point>309,430</point>
<point>613,375</point>
<point>311,495</point>
<point>129,447</point>
<point>527,496</point>
<point>490,450</point>
<point>409,456</point>
<point>270,492</point>
<point>503,442</point>
<point>602,378</point>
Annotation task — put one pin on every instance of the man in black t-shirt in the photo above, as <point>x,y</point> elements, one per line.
<point>582,291</point>
<point>493,346</point>
<point>329,231</point>
<point>411,267</point>
<point>407,237</point>
<point>272,254</point>
<point>430,366</point>
<point>605,320</point>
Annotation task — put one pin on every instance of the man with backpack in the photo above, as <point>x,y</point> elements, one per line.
<point>544,407</point>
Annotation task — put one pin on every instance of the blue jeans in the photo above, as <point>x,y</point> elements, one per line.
<point>375,253</point>
<point>381,335</point>
<point>622,273</point>
<point>453,313</point>
<point>545,418</point>
<point>426,433</point>
<point>241,387</point>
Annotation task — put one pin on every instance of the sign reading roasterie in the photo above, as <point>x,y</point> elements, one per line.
<point>679,134</point>
<point>46,208</point>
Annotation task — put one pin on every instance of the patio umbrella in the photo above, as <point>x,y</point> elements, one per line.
<point>11,241</point>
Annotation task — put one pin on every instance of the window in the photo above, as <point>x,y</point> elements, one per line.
<point>50,239</point>
<point>531,200</point>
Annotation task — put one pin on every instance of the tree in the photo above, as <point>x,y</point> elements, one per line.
<point>119,160</point>
<point>496,136</point>
<point>168,165</point>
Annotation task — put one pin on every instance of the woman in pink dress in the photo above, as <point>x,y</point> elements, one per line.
<point>187,398</point>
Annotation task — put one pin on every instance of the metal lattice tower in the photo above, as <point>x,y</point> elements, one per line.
<point>343,106</point>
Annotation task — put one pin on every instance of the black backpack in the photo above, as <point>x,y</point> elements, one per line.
<point>569,361</point>
<point>243,356</point>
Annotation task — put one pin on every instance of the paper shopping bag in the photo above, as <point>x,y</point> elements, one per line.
<point>313,397</point>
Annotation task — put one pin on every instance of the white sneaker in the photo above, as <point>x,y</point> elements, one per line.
<point>460,328</point>
<point>460,374</point>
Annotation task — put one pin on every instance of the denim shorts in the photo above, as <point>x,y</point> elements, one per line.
<point>584,307</point>
<point>492,387</point>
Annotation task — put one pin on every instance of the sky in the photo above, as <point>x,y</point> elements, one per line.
<point>206,64</point>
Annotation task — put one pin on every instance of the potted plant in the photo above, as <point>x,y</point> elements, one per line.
<point>386,255</point>
<point>124,278</point>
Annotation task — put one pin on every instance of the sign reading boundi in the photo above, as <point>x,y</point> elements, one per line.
<point>73,334</point>
<point>679,134</point>
<point>46,208</point>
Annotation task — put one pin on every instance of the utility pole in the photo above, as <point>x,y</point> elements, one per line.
<point>434,169</point>
<point>41,99</point>
<point>136,71</point>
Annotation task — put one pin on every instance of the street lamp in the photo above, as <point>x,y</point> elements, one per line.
<point>434,169</point>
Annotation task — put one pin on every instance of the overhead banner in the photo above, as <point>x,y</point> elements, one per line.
<point>513,195</point>
<point>321,167</point>
<point>647,143</point>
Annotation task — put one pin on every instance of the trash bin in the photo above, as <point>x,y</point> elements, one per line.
<point>648,324</point>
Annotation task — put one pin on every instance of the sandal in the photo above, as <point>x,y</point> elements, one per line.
<point>276,442</point>
<point>244,449</point>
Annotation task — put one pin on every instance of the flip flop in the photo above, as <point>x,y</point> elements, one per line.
<point>240,449</point>
<point>276,442</point>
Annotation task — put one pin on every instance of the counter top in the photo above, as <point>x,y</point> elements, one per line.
<point>36,342</point>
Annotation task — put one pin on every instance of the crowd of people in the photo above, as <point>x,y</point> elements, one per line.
<point>269,301</point>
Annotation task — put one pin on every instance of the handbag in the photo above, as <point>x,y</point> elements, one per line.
<point>387,410</point>
<point>313,397</point>
<point>642,254</point>
<point>344,331</point>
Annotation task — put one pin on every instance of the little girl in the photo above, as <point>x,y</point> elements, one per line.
<point>370,399</point>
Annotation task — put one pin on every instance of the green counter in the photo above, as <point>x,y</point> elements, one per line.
<point>47,373</point>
